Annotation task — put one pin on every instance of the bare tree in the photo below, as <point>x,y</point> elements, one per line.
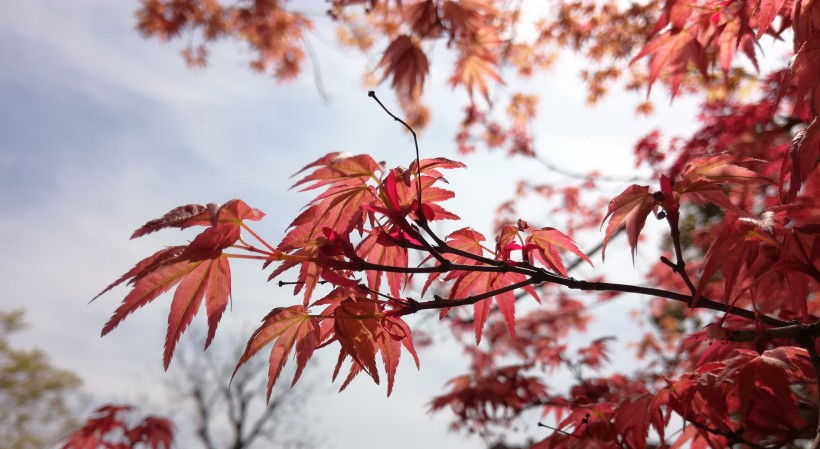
<point>233,414</point>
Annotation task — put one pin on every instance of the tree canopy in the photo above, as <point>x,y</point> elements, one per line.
<point>732,351</point>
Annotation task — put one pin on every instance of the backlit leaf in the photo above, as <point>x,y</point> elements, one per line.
<point>629,209</point>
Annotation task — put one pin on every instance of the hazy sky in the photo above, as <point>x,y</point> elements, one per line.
<point>101,130</point>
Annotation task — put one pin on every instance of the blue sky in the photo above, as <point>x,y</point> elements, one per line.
<point>101,130</point>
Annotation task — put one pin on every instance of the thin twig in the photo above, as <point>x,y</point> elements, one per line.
<point>421,219</point>
<point>372,95</point>
<point>317,71</point>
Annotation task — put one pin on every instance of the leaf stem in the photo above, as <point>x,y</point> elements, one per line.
<point>257,237</point>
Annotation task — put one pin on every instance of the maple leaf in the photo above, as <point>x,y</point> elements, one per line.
<point>357,328</point>
<point>156,432</point>
<point>233,211</point>
<point>631,420</point>
<point>766,12</point>
<point>395,334</point>
<point>541,245</point>
<point>465,240</point>
<point>179,217</point>
<point>105,428</point>
<point>148,288</point>
<point>336,167</point>
<point>466,18</point>
<point>342,206</point>
<point>200,269</point>
<point>733,249</point>
<point>720,168</point>
<point>671,52</point>
<point>379,249</point>
<point>210,280</point>
<point>800,160</point>
<point>629,209</point>
<point>431,166</point>
<point>479,282</point>
<point>676,13</point>
<point>473,70</point>
<point>144,267</point>
<point>763,377</point>
<point>286,328</point>
<point>423,18</point>
<point>804,67</point>
<point>407,64</point>
<point>733,36</point>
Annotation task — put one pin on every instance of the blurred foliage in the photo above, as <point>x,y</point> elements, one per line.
<point>34,408</point>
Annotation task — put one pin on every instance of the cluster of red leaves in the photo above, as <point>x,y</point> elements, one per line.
<point>740,198</point>
<point>109,428</point>
<point>361,202</point>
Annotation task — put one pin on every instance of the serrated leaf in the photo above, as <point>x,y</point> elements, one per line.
<point>474,70</point>
<point>149,264</point>
<point>179,217</point>
<point>406,63</point>
<point>541,245</point>
<point>284,327</point>
<point>337,167</point>
<point>473,283</point>
<point>217,294</point>
<point>380,250</point>
<point>632,419</point>
<point>767,11</point>
<point>671,53</point>
<point>356,326</point>
<point>629,209</point>
<point>148,288</point>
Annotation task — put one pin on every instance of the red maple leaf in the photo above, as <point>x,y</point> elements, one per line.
<point>629,209</point>
<point>407,64</point>
<point>287,328</point>
<point>671,53</point>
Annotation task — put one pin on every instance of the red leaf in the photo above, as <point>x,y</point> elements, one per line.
<point>629,209</point>
<point>235,211</point>
<point>632,419</point>
<point>395,334</point>
<point>337,167</point>
<point>767,11</point>
<point>473,71</point>
<point>800,160</point>
<point>356,328</point>
<point>187,298</point>
<point>671,53</point>
<point>146,266</point>
<point>466,240</point>
<point>210,242</point>
<point>148,288</point>
<point>217,294</point>
<point>541,245</point>
<point>284,327</point>
<point>478,282</point>
<point>179,217</point>
<point>407,64</point>
<point>377,249</point>
<point>806,66</point>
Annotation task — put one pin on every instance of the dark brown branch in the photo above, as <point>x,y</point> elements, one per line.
<point>440,303</point>
<point>734,437</point>
<point>679,266</point>
<point>794,331</point>
<point>703,302</point>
